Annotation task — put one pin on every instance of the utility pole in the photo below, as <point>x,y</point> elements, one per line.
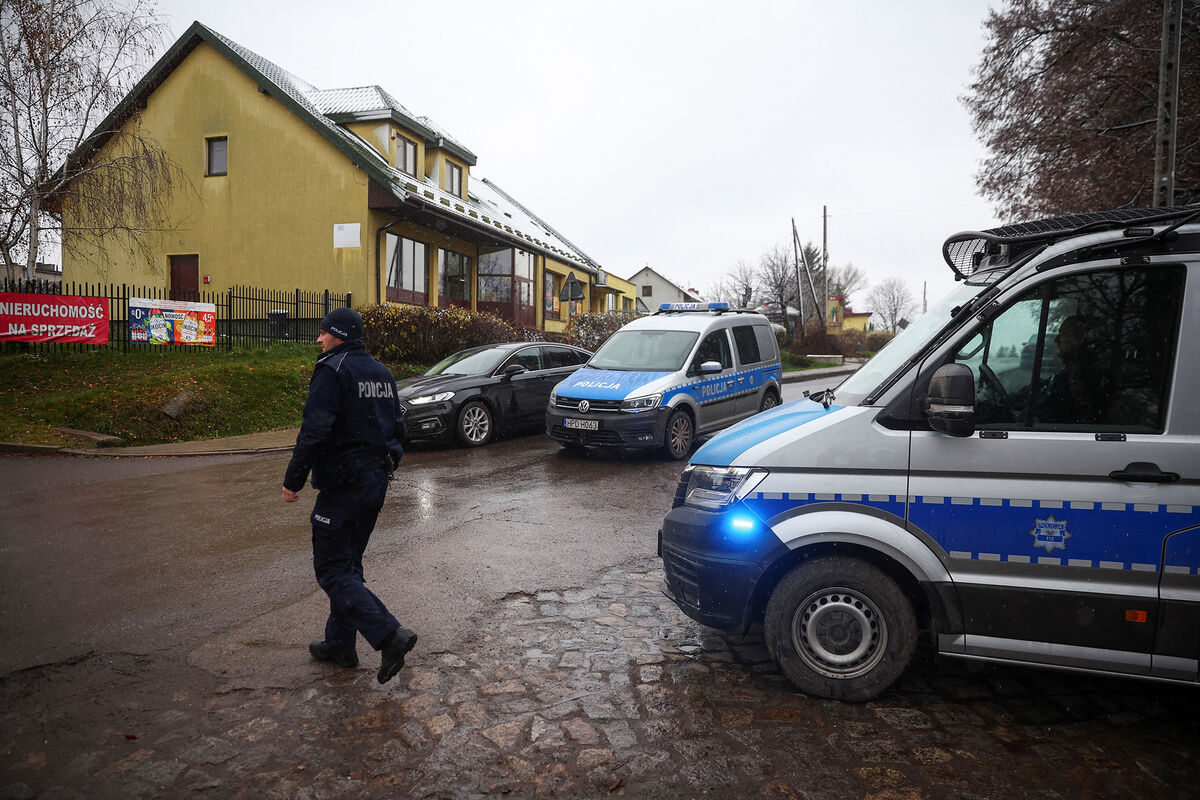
<point>824,259</point>
<point>807,270</point>
<point>1168,95</point>
<point>796,265</point>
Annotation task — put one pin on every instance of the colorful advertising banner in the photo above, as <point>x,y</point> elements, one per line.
<point>53,318</point>
<point>172,322</point>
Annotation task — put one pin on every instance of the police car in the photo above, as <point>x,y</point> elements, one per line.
<point>685,371</point>
<point>1039,507</point>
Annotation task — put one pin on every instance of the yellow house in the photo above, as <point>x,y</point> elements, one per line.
<point>839,319</point>
<point>294,187</point>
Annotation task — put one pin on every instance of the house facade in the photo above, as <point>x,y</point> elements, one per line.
<point>294,187</point>
<point>653,289</point>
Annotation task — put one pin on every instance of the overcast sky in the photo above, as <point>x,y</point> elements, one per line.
<point>682,135</point>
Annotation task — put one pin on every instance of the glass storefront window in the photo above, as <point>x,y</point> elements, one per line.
<point>454,276</point>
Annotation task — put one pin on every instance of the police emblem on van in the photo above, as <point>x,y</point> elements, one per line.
<point>584,405</point>
<point>1050,534</point>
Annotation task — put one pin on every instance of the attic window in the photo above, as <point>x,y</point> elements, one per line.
<point>453,176</point>
<point>406,154</point>
<point>217,157</point>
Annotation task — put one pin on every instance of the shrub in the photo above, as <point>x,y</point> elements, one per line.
<point>875,340</point>
<point>780,334</point>
<point>424,335</point>
<point>852,342</point>
<point>589,331</point>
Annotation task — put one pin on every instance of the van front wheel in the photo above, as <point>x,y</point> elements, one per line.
<point>840,628</point>
<point>677,442</point>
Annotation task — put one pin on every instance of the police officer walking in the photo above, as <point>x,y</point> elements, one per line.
<point>350,440</point>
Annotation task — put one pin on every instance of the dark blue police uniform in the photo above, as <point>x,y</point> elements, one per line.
<point>350,441</point>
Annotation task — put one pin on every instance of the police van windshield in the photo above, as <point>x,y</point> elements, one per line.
<point>909,341</point>
<point>645,351</point>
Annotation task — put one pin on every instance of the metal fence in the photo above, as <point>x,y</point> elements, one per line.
<point>246,315</point>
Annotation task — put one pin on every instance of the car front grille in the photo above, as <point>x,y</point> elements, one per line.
<point>572,404</point>
<point>683,576</point>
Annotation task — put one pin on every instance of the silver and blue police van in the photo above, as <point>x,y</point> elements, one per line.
<point>1015,477</point>
<point>663,380</point>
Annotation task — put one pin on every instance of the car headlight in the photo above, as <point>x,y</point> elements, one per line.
<point>554,396</point>
<point>641,403</point>
<point>714,488</point>
<point>431,398</point>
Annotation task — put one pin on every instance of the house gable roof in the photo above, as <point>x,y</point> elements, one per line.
<point>688,293</point>
<point>322,110</point>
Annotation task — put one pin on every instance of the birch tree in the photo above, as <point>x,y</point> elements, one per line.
<point>64,66</point>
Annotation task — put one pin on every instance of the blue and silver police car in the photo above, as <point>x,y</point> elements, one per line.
<point>663,380</point>
<point>1038,506</point>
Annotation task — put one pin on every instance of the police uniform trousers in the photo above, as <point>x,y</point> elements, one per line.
<point>342,520</point>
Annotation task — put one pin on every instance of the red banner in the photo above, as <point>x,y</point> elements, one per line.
<point>53,318</point>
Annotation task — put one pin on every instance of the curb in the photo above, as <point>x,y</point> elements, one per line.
<point>823,372</point>
<point>167,451</point>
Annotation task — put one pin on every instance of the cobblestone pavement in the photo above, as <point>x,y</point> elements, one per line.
<point>600,691</point>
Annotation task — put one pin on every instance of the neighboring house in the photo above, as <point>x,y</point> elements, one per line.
<point>342,189</point>
<point>49,273</point>
<point>839,318</point>
<point>614,295</point>
<point>653,290</point>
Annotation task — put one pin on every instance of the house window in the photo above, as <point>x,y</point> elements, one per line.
<point>550,295</point>
<point>454,278</point>
<point>495,277</point>
<point>647,290</point>
<point>453,179</point>
<point>406,260</point>
<point>406,155</point>
<point>610,303</point>
<point>217,156</point>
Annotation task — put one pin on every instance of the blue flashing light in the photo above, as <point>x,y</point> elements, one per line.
<point>741,525</point>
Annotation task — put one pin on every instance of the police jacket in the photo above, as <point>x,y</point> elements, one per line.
<point>352,420</point>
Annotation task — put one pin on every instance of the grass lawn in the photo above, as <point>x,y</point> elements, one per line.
<point>123,394</point>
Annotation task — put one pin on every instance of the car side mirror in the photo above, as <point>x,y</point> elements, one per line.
<point>513,369</point>
<point>951,401</point>
<point>710,366</point>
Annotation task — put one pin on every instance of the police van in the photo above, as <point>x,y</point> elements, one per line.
<point>685,371</point>
<point>1015,477</point>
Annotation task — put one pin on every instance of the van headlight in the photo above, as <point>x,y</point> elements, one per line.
<point>714,488</point>
<point>425,399</point>
<point>641,403</point>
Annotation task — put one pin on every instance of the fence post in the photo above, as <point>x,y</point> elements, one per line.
<point>124,308</point>
<point>229,320</point>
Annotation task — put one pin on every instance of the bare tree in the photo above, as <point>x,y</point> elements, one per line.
<point>736,287</point>
<point>777,281</point>
<point>64,66</point>
<point>846,280</point>
<point>1065,100</point>
<point>892,301</point>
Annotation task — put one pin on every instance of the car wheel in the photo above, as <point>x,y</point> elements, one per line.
<point>840,628</point>
<point>770,400</point>
<point>475,424</point>
<point>677,443</point>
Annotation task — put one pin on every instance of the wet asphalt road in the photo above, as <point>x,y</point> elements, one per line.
<point>155,613</point>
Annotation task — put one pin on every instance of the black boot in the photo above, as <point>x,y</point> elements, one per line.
<point>395,647</point>
<point>324,651</point>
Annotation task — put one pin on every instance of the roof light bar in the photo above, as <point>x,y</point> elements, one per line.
<point>667,307</point>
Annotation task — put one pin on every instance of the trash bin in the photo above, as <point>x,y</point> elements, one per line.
<point>277,317</point>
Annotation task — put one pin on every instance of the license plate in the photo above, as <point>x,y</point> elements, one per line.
<point>582,424</point>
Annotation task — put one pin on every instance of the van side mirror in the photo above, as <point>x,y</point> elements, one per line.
<point>710,366</point>
<point>951,403</point>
